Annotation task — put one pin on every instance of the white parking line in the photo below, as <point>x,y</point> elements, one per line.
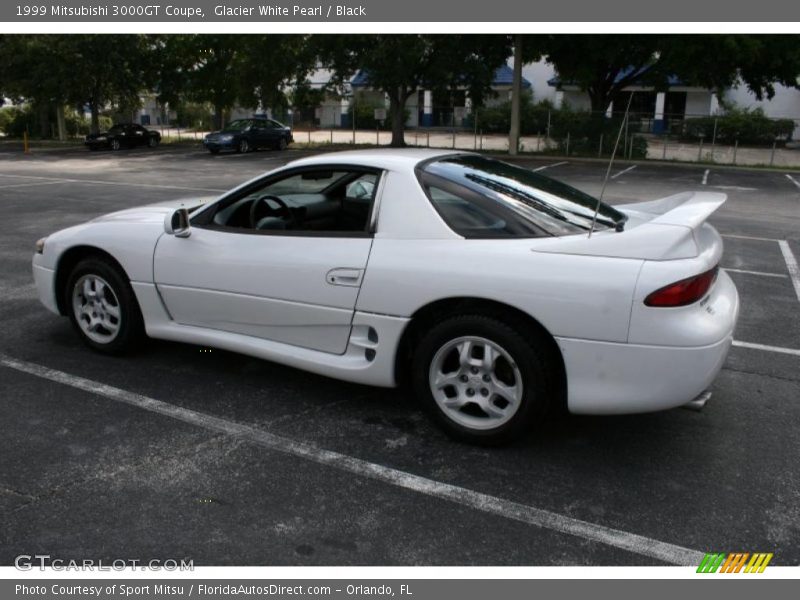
<point>631,168</point>
<point>558,164</point>
<point>777,349</point>
<point>761,273</point>
<point>529,515</point>
<point>749,237</point>
<point>793,180</point>
<point>101,182</point>
<point>791,265</point>
<point>705,176</point>
<point>19,185</point>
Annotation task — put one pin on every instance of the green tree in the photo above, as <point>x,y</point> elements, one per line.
<point>604,65</point>
<point>49,71</point>
<point>272,65</point>
<point>399,65</point>
<point>201,68</point>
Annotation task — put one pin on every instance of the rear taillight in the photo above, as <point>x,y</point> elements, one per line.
<point>683,292</point>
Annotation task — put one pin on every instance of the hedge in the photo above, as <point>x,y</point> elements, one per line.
<point>747,126</point>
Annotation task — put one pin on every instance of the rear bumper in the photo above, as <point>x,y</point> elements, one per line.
<point>618,378</point>
<point>606,378</point>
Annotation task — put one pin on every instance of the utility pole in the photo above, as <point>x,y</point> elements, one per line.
<point>516,93</point>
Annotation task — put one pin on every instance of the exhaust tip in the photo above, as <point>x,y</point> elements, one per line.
<point>698,403</point>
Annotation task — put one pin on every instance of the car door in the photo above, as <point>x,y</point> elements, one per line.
<point>137,135</point>
<point>295,286</point>
<point>261,133</point>
<point>276,131</point>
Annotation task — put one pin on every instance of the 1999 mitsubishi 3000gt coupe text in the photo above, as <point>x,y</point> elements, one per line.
<point>495,291</point>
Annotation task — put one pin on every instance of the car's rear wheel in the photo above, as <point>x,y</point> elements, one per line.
<point>243,147</point>
<point>152,142</point>
<point>115,145</point>
<point>102,306</point>
<point>482,380</point>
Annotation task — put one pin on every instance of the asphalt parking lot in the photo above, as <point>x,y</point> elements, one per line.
<point>299,469</point>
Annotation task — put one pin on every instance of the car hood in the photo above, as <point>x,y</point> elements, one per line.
<point>152,213</point>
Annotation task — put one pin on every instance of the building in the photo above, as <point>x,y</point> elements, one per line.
<point>423,107</point>
<point>659,108</point>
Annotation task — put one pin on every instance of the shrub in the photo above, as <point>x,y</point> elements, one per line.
<point>583,128</point>
<point>194,115</point>
<point>14,120</point>
<point>748,126</point>
<point>365,114</point>
<point>497,117</point>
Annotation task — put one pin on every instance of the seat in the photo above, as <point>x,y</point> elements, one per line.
<point>271,223</point>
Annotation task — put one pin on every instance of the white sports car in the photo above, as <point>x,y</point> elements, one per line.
<point>479,282</point>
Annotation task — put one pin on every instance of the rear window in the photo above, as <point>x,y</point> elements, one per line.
<point>482,197</point>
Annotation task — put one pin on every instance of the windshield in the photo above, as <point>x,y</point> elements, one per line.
<point>516,198</point>
<point>238,125</point>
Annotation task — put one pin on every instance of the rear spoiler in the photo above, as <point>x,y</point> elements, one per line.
<point>687,209</point>
<point>664,229</point>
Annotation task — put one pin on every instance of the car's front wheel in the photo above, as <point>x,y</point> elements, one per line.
<point>282,144</point>
<point>243,147</point>
<point>482,380</point>
<point>152,142</point>
<point>102,306</point>
<point>115,145</point>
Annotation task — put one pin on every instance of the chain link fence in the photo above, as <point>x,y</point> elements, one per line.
<point>737,138</point>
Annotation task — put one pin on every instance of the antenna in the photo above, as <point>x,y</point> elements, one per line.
<point>610,164</point>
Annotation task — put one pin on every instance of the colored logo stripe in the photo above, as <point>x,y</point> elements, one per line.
<point>758,563</point>
<point>734,562</point>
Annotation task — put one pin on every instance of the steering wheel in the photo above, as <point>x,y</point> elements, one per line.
<point>261,208</point>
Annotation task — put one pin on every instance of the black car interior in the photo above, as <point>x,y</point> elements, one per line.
<point>325,200</point>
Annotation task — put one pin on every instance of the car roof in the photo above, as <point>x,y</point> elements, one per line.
<point>383,158</point>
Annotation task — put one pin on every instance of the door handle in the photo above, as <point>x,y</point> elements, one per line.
<point>346,277</point>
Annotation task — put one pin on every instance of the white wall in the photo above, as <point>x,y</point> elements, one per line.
<point>785,104</point>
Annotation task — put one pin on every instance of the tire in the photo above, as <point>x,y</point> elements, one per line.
<point>243,147</point>
<point>152,142</point>
<point>214,150</point>
<point>282,144</point>
<point>115,145</point>
<point>102,307</point>
<point>476,402</point>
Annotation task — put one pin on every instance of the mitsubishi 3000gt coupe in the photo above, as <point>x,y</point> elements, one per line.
<point>494,291</point>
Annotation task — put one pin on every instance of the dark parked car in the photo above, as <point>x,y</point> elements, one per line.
<point>244,135</point>
<point>127,135</point>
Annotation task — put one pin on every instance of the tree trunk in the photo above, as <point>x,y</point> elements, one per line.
<point>600,100</point>
<point>219,116</point>
<point>61,121</point>
<point>95,110</point>
<point>44,120</point>
<point>397,113</point>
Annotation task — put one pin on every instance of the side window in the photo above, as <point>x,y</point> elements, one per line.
<point>327,201</point>
<point>361,188</point>
<point>472,216</point>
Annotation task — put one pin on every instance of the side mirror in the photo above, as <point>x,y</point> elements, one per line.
<point>177,223</point>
